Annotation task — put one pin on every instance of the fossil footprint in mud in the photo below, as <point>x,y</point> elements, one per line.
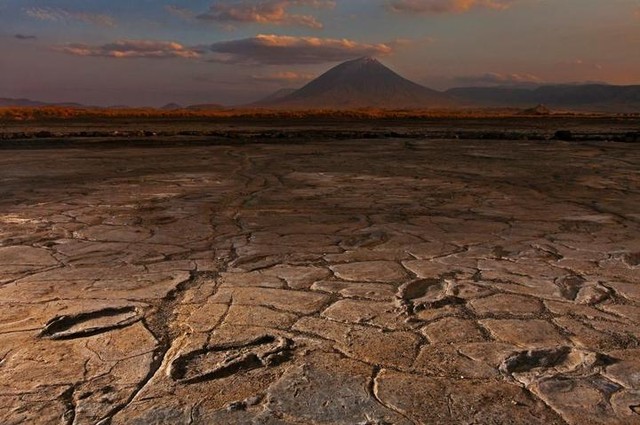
<point>576,288</point>
<point>427,293</point>
<point>365,240</point>
<point>571,380</point>
<point>90,323</point>
<point>224,360</point>
<point>540,362</point>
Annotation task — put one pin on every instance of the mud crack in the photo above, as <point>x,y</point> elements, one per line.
<point>160,323</point>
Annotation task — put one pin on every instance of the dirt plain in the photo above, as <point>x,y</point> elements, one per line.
<point>352,273</point>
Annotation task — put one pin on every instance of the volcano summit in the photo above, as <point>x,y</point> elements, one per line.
<point>361,83</point>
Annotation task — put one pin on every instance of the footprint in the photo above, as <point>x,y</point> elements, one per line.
<point>224,360</point>
<point>426,294</point>
<point>525,361</point>
<point>90,323</point>
<point>581,226</point>
<point>365,240</point>
<point>631,259</point>
<point>569,380</point>
<point>570,286</point>
<point>250,263</point>
<point>554,360</point>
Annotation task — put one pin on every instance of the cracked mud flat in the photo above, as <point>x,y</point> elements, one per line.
<point>329,282</point>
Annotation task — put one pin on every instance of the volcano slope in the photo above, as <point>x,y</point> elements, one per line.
<point>360,83</point>
<point>325,282</point>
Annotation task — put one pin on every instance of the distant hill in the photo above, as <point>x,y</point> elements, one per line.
<point>8,102</point>
<point>171,107</point>
<point>205,107</point>
<point>282,93</point>
<point>367,83</point>
<point>4,102</point>
<point>360,83</point>
<point>28,103</point>
<point>594,97</point>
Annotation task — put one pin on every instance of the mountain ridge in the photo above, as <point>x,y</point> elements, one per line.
<point>592,97</point>
<point>367,83</point>
<point>359,83</point>
<point>22,102</point>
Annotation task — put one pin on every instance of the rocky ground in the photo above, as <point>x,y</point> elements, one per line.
<point>322,282</point>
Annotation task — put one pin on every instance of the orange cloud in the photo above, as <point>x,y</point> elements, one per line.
<point>264,12</point>
<point>133,49</point>
<point>498,79</point>
<point>261,49</point>
<point>287,77</point>
<point>581,63</point>
<point>280,49</point>
<point>445,6</point>
<point>180,12</point>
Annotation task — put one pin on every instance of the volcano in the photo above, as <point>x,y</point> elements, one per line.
<point>361,83</point>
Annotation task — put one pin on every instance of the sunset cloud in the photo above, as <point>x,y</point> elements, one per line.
<point>279,49</point>
<point>133,49</point>
<point>440,43</point>
<point>180,12</point>
<point>498,79</point>
<point>580,63</point>
<point>62,15</point>
<point>274,12</point>
<point>434,7</point>
<point>286,77</point>
<point>261,49</point>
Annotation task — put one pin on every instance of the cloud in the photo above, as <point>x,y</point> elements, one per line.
<point>180,12</point>
<point>274,12</point>
<point>261,49</point>
<point>282,50</point>
<point>287,77</point>
<point>25,37</point>
<point>133,49</point>
<point>420,41</point>
<point>496,79</point>
<point>580,63</point>
<point>434,7</point>
<point>63,15</point>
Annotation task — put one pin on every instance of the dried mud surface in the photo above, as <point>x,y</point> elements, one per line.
<point>385,281</point>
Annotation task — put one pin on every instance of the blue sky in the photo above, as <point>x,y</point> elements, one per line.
<point>151,52</point>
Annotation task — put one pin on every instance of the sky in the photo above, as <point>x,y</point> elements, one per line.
<point>152,52</point>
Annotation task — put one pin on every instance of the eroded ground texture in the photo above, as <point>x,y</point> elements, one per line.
<point>328,282</point>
